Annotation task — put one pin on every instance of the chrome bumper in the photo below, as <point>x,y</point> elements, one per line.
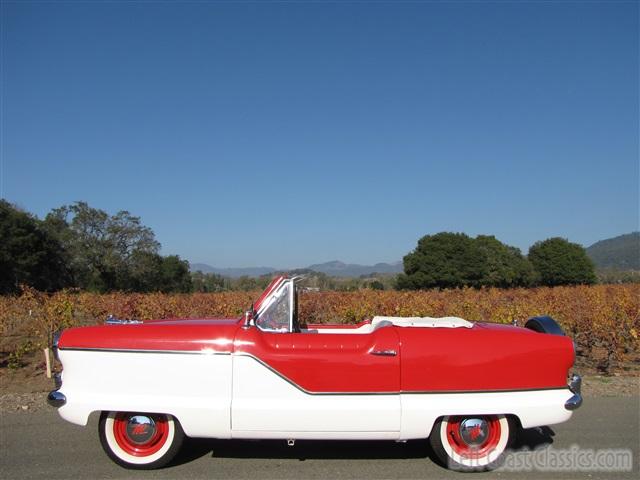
<point>56,399</point>
<point>575,385</point>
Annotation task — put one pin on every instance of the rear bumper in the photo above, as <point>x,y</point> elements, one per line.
<point>56,399</point>
<point>575,385</point>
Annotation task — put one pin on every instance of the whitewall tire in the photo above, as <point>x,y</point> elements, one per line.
<point>140,440</point>
<point>472,442</point>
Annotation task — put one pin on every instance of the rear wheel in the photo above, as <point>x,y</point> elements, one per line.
<point>471,442</point>
<point>140,440</point>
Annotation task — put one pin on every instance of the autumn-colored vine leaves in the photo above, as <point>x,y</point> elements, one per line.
<point>604,320</point>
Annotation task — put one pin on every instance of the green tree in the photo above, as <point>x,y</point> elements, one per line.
<point>245,283</point>
<point>144,273</point>
<point>209,282</point>
<point>174,275</point>
<point>28,254</point>
<point>150,272</point>
<point>445,260</point>
<point>506,266</point>
<point>101,249</point>
<point>560,262</point>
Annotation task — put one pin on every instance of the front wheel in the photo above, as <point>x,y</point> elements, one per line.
<point>140,440</point>
<point>471,442</point>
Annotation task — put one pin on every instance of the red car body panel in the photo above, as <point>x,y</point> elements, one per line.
<point>196,336</point>
<point>486,357</point>
<point>328,363</point>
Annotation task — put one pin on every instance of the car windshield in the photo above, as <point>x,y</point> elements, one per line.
<point>276,315</point>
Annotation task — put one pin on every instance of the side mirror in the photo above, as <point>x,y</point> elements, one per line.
<point>248,319</point>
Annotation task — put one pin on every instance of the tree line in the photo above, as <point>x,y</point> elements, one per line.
<point>77,246</point>
<point>453,260</point>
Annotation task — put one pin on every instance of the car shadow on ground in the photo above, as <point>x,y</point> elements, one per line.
<point>302,450</point>
<point>195,448</point>
<point>533,438</point>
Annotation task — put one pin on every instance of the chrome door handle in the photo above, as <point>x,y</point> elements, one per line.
<point>384,353</point>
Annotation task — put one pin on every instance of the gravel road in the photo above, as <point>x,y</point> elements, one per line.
<point>42,445</point>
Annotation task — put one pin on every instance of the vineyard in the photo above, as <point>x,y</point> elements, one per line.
<point>604,320</point>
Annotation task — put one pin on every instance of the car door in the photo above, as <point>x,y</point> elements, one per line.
<point>338,385</point>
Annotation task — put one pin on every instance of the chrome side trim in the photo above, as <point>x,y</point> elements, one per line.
<point>56,399</point>
<point>125,350</point>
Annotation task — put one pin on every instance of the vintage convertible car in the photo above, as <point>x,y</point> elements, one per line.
<point>468,387</point>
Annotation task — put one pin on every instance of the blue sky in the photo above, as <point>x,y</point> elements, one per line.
<point>290,133</point>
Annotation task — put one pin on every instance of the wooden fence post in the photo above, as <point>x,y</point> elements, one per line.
<point>47,360</point>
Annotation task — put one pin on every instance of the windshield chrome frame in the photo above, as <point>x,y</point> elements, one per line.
<point>273,296</point>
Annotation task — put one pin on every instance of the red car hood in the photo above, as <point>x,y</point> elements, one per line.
<point>180,335</point>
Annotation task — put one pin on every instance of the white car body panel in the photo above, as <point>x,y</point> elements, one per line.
<point>195,388</point>
<point>265,404</point>
<point>534,408</point>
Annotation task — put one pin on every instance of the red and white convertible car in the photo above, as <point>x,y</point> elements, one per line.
<point>468,387</point>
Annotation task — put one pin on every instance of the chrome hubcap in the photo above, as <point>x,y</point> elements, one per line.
<point>474,431</point>
<point>140,429</point>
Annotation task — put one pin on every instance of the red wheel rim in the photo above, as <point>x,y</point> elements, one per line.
<point>473,437</point>
<point>140,435</point>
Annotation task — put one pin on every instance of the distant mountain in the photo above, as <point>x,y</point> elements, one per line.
<point>333,269</point>
<point>201,267</point>
<point>232,272</point>
<point>340,269</point>
<point>619,253</point>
